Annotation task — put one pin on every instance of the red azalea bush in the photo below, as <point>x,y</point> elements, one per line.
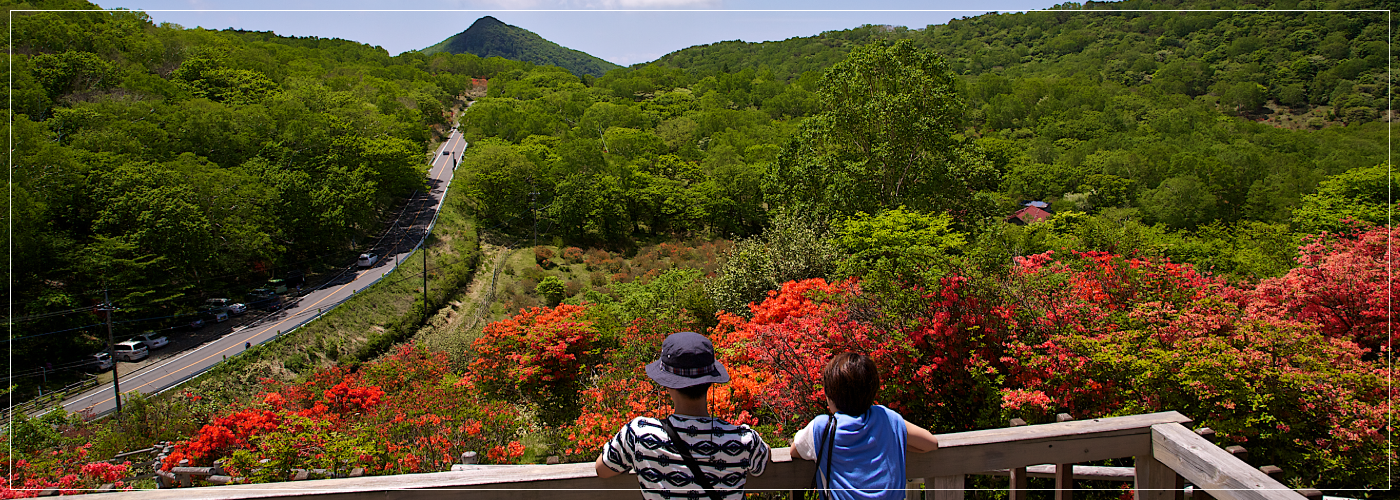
<point>1341,284</point>
<point>533,353</point>
<point>67,469</point>
<point>405,413</point>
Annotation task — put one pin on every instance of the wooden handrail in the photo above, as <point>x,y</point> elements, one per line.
<point>1212,469</point>
<point>959,454</point>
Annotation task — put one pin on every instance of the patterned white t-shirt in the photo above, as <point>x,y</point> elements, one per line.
<point>725,452</point>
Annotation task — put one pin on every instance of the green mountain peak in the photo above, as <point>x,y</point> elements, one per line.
<point>489,37</point>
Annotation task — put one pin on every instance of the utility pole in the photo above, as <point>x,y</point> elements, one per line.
<point>425,280</point>
<point>112,348</point>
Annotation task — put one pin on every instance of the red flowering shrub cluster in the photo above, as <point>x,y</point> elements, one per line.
<point>534,352</point>
<point>543,255</point>
<point>66,469</point>
<point>573,255</point>
<point>405,413</point>
<point>1294,367</point>
<point>1290,366</point>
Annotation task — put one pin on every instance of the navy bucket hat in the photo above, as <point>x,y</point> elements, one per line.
<point>687,359</point>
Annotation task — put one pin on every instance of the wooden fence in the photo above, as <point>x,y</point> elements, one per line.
<point>1167,456</point>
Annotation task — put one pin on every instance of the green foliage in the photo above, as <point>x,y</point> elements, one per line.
<point>170,165</point>
<point>1179,202</point>
<point>30,434</point>
<point>551,288</point>
<point>795,246</point>
<point>896,242</point>
<point>1362,194</point>
<point>883,138</point>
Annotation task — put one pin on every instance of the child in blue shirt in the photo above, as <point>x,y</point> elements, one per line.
<point>862,457</point>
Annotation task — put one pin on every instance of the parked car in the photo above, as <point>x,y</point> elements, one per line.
<point>264,299</point>
<point>217,315</point>
<point>273,303</point>
<point>368,259</point>
<point>229,306</point>
<point>99,362</point>
<point>152,340</point>
<point>195,324</point>
<point>131,350</point>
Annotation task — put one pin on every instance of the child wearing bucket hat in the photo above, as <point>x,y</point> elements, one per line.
<point>689,454</point>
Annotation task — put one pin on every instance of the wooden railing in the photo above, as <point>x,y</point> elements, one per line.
<point>1167,456</point>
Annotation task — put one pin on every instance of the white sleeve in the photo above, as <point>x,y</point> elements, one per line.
<point>802,442</point>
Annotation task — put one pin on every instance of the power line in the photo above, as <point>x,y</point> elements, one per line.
<point>25,319</point>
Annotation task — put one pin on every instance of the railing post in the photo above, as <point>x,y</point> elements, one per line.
<point>1155,481</point>
<point>1064,473</point>
<point>1196,492</point>
<point>949,487</point>
<point>1020,482</point>
<point>913,489</point>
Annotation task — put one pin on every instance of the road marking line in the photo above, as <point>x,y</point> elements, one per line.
<point>206,358</point>
<point>168,363</point>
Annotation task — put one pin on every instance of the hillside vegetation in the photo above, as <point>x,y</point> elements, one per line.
<point>489,37</point>
<point>170,165</point>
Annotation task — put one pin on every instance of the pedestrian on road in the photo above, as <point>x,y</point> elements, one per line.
<point>247,345</point>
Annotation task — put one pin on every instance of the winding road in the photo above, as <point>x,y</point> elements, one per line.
<point>159,376</point>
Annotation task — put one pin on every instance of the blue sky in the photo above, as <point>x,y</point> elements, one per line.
<point>622,31</point>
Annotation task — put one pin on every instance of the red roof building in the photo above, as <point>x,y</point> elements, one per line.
<point>1028,215</point>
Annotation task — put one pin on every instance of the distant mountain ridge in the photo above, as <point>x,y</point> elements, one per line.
<point>489,37</point>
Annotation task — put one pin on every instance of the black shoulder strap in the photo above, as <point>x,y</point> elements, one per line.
<point>695,471</point>
<point>828,443</point>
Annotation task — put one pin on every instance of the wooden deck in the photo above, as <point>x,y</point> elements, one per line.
<point>1166,453</point>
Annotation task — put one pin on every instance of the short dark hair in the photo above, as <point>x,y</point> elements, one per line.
<point>695,391</point>
<point>851,381</point>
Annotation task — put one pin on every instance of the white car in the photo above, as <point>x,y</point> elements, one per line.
<point>131,350</point>
<point>368,259</point>
<point>229,306</point>
<point>152,340</point>
<point>100,362</point>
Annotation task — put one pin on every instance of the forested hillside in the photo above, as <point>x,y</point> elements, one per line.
<point>1063,96</point>
<point>1188,120</point>
<point>169,165</point>
<point>489,37</point>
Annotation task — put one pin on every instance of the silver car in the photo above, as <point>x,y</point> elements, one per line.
<point>152,340</point>
<point>368,259</point>
<point>131,350</point>
<point>100,362</point>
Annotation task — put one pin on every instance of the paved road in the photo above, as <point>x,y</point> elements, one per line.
<point>401,239</point>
